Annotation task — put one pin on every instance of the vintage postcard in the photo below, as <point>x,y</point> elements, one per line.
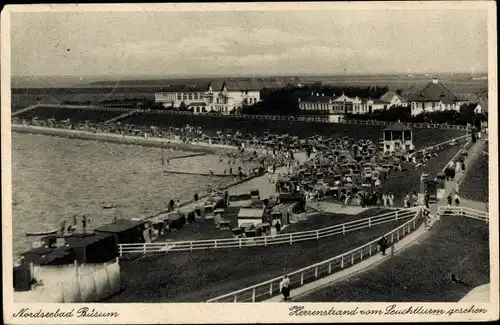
<point>249,162</point>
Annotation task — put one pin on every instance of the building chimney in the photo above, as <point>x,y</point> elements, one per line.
<point>435,81</point>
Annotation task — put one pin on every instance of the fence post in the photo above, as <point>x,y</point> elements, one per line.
<point>291,239</point>
<point>342,261</point>
<point>215,243</point>
<point>121,250</point>
<point>329,267</point>
<point>352,259</point>
<point>397,234</point>
<point>369,222</point>
<point>302,278</point>
<point>235,298</point>
<point>361,254</point>
<point>392,238</point>
<point>191,246</point>
<point>396,215</point>
<point>271,289</point>
<point>240,241</point>
<point>316,272</point>
<point>317,234</point>
<point>144,248</point>
<point>343,229</point>
<point>370,250</point>
<point>253,295</point>
<point>265,240</point>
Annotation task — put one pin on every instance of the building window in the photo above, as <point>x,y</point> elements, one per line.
<point>190,96</point>
<point>184,96</point>
<point>179,96</point>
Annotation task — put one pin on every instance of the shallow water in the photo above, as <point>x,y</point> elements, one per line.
<point>55,178</point>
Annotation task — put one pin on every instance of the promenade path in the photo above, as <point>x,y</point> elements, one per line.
<point>473,153</point>
<point>418,235</point>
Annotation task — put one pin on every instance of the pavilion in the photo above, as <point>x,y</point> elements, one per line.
<point>398,138</point>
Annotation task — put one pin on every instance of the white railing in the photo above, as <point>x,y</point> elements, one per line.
<point>270,288</point>
<point>289,238</point>
<point>438,146</point>
<point>261,117</point>
<point>413,125</point>
<point>464,212</point>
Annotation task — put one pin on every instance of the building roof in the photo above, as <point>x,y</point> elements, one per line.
<point>47,255</point>
<point>42,255</point>
<point>398,126</point>
<point>316,99</point>
<point>483,101</point>
<point>435,91</point>
<point>120,225</point>
<point>446,100</point>
<point>250,213</point>
<point>388,96</point>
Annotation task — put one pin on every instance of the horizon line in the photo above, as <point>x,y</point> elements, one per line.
<point>181,76</point>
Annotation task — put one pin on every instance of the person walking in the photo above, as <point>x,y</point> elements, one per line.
<point>383,243</point>
<point>449,198</point>
<point>391,200</point>
<point>457,199</point>
<point>384,199</point>
<point>277,226</point>
<point>285,287</point>
<point>426,200</point>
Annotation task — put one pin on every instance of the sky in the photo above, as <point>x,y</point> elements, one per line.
<point>248,42</point>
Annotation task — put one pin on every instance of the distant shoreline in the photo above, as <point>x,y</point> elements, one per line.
<point>117,138</point>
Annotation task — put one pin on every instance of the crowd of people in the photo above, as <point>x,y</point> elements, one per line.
<point>347,170</point>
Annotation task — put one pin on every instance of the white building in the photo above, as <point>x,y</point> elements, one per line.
<point>324,106</point>
<point>433,98</point>
<point>207,100</point>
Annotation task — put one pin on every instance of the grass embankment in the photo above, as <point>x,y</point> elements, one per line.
<point>200,275</point>
<point>211,124</point>
<point>475,186</point>
<point>422,272</point>
<point>402,183</point>
<point>74,115</point>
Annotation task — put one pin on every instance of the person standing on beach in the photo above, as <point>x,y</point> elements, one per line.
<point>285,287</point>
